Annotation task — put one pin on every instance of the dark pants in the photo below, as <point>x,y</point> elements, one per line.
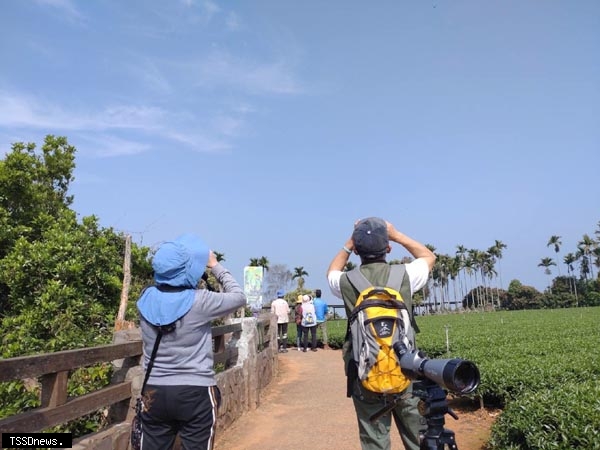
<point>282,334</point>
<point>313,331</point>
<point>190,411</point>
<point>299,333</point>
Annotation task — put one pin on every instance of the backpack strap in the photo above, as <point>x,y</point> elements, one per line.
<point>151,362</point>
<point>395,279</point>
<point>358,280</point>
<point>397,273</point>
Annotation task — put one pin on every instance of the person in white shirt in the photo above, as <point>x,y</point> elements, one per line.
<point>281,309</point>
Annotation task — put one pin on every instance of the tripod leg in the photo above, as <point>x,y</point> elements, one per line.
<point>438,441</point>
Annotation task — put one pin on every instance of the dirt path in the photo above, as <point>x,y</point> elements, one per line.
<point>305,407</point>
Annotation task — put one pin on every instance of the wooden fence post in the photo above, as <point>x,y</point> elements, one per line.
<point>120,322</point>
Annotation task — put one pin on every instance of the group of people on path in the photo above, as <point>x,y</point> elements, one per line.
<point>310,315</point>
<point>180,394</point>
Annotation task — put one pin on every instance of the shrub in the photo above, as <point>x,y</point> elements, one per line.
<point>567,417</point>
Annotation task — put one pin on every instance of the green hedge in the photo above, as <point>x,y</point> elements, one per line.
<point>567,417</point>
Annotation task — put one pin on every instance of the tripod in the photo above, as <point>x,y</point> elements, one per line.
<point>433,407</point>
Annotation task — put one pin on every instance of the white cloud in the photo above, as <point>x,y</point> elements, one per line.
<point>103,145</point>
<point>221,68</point>
<point>210,9</point>
<point>232,22</point>
<point>153,78</point>
<point>227,125</point>
<point>66,8</point>
<point>27,112</point>
<point>101,128</point>
<point>199,142</point>
<point>244,108</point>
<point>134,117</point>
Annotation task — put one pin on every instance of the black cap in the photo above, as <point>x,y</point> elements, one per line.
<point>370,237</point>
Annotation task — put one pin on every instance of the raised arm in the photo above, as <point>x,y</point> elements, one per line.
<point>341,258</point>
<point>413,247</point>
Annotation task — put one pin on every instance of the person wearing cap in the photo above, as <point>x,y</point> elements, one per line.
<point>370,240</point>
<point>181,395</point>
<point>309,323</point>
<point>281,309</point>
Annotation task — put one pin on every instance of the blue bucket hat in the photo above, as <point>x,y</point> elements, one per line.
<point>178,263</point>
<point>280,293</point>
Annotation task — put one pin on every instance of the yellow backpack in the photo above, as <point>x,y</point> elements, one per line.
<point>379,320</point>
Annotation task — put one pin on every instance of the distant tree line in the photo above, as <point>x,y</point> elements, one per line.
<point>473,279</point>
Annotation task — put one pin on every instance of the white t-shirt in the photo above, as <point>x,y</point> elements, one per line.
<point>281,309</point>
<point>417,271</point>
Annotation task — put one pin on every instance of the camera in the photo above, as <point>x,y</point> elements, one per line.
<point>456,375</point>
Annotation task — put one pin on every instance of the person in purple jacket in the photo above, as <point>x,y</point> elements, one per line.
<point>181,395</point>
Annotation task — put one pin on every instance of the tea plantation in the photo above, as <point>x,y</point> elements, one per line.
<point>541,366</point>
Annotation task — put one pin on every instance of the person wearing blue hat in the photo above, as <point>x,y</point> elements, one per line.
<point>181,394</point>
<point>281,309</point>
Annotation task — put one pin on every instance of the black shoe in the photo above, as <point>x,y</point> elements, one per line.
<point>313,349</point>
<point>304,350</point>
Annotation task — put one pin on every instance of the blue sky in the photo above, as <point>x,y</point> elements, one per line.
<point>269,127</point>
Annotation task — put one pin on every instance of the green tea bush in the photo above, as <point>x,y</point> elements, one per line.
<point>565,418</point>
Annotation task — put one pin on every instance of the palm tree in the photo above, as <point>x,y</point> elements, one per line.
<point>461,251</point>
<point>596,253</point>
<point>254,262</point>
<point>486,267</point>
<point>454,273</point>
<point>497,254</point>
<point>260,262</point>
<point>586,246</point>
<point>300,273</point>
<point>264,263</point>
<point>547,263</point>
<point>584,264</point>
<point>469,266</point>
<point>440,279</point>
<point>477,260</point>
<point>556,242</point>
<point>220,256</point>
<point>569,259</point>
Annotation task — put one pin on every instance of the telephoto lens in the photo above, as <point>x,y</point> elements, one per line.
<point>456,375</point>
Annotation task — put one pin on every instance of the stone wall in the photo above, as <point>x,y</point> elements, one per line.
<point>241,386</point>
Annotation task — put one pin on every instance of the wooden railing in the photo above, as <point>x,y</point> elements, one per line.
<point>52,371</point>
